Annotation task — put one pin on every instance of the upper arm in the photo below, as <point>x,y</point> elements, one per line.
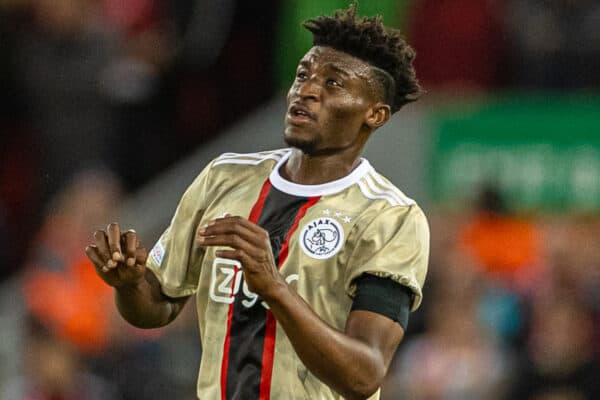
<point>175,304</point>
<point>378,318</point>
<point>394,245</point>
<point>175,259</point>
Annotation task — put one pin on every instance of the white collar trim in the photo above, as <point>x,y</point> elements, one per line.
<point>322,189</point>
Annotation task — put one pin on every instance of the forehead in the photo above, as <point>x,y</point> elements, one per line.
<point>320,56</point>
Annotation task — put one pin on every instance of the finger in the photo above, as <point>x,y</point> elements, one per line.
<point>254,233</point>
<point>102,246</point>
<point>127,271</point>
<point>235,242</point>
<point>129,244</point>
<point>141,256</point>
<point>234,226</point>
<point>93,254</point>
<point>238,255</point>
<point>114,241</point>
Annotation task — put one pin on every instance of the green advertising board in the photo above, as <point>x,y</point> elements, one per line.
<point>543,153</point>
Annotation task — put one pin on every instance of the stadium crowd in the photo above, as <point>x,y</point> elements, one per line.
<point>99,97</point>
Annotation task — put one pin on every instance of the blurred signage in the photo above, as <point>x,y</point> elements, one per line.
<point>541,153</point>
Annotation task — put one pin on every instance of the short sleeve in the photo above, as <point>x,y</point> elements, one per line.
<point>395,245</point>
<point>174,259</point>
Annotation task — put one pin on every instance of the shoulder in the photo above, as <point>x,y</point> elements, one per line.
<point>229,169</point>
<point>378,188</point>
<point>250,159</point>
<point>234,170</point>
<point>385,204</point>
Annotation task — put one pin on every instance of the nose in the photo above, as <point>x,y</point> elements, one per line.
<point>309,90</point>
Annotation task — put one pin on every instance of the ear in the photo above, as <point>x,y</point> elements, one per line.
<point>377,115</point>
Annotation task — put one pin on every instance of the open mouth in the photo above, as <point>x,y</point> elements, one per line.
<point>301,113</point>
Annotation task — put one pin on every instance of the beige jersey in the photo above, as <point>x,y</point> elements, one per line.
<point>323,237</point>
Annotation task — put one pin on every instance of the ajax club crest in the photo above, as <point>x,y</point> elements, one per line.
<point>322,238</point>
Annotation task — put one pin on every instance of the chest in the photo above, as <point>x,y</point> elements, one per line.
<point>312,247</point>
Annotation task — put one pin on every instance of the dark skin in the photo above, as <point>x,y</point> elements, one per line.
<point>332,110</point>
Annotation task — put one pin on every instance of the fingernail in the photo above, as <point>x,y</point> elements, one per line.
<point>211,223</point>
<point>202,231</point>
<point>201,239</point>
<point>104,268</point>
<point>116,256</point>
<point>130,262</point>
<point>111,264</point>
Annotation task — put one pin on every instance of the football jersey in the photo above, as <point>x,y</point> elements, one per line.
<point>323,237</point>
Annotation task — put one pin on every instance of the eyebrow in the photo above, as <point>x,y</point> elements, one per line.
<point>340,70</point>
<point>304,63</point>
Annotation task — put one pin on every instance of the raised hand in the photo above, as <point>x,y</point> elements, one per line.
<point>118,257</point>
<point>249,245</point>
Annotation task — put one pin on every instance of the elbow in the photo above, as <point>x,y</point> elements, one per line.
<point>361,393</point>
<point>364,387</point>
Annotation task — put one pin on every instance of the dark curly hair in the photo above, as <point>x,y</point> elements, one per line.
<point>368,39</point>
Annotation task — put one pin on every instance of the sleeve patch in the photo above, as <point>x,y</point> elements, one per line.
<point>158,253</point>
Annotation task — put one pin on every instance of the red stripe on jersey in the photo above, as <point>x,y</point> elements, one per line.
<point>283,253</point>
<point>267,359</point>
<point>254,215</point>
<point>225,360</point>
<point>271,323</point>
<point>260,203</point>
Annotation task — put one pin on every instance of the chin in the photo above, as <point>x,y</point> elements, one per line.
<point>306,146</point>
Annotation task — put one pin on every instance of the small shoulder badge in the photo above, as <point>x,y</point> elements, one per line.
<point>322,238</point>
<point>158,253</point>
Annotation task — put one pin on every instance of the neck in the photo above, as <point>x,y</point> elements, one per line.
<point>308,169</point>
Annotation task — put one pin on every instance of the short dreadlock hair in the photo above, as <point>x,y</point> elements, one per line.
<point>368,39</point>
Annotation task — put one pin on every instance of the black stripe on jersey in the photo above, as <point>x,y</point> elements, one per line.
<point>247,330</point>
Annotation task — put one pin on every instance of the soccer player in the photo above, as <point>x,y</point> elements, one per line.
<point>304,261</point>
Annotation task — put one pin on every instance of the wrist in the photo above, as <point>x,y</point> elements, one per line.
<point>130,286</point>
<point>276,292</point>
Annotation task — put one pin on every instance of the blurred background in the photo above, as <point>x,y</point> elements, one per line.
<point>109,109</point>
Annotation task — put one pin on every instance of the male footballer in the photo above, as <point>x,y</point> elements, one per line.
<point>304,262</point>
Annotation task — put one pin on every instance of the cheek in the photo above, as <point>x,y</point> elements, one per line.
<point>348,111</point>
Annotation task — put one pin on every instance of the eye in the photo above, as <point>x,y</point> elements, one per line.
<point>301,76</point>
<point>333,82</point>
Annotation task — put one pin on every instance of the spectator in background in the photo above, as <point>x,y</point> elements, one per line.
<point>208,95</point>
<point>58,66</point>
<point>574,258</point>
<point>505,246</point>
<point>555,44</point>
<point>163,44</point>
<point>53,370</point>
<point>506,251</point>
<point>561,361</point>
<point>19,182</point>
<point>457,357</point>
<point>85,325</point>
<point>56,265</point>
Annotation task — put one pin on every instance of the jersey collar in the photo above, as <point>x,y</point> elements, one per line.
<point>322,189</point>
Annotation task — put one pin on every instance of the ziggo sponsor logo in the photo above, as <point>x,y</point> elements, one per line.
<point>227,279</point>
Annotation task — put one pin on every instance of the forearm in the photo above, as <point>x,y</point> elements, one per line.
<point>144,305</point>
<point>346,364</point>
